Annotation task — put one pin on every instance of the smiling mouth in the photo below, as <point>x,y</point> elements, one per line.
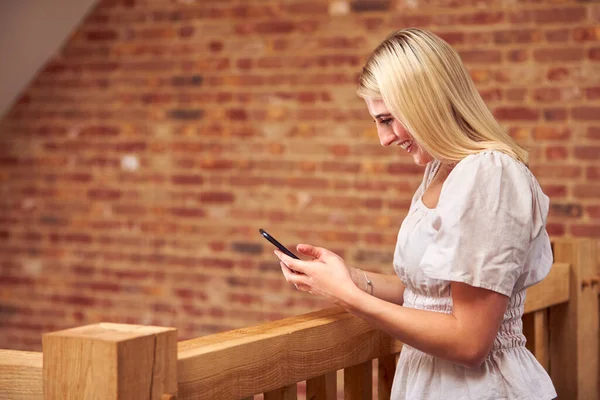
<point>406,145</point>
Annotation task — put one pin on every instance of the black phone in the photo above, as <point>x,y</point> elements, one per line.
<point>277,244</point>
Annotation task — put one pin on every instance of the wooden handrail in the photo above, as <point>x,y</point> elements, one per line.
<point>285,352</point>
<point>20,375</point>
<point>272,357</point>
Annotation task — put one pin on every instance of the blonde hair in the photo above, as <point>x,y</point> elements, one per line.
<point>426,87</point>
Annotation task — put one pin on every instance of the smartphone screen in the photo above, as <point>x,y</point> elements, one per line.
<point>277,244</point>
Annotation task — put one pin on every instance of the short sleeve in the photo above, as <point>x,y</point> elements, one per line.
<point>484,224</point>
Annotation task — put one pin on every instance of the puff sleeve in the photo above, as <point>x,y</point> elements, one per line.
<point>486,219</point>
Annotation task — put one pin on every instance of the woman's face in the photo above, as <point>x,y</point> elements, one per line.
<point>391,132</point>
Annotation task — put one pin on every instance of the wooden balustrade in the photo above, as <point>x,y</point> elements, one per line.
<point>116,362</point>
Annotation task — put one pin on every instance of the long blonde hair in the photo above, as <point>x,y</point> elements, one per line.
<point>426,87</point>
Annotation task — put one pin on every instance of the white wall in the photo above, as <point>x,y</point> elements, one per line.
<point>31,31</point>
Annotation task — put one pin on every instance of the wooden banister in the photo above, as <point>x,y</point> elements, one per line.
<point>278,354</point>
<point>20,375</point>
<point>132,362</point>
<point>573,325</point>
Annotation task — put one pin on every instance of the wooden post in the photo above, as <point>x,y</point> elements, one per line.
<point>111,362</point>
<point>358,381</point>
<point>20,375</point>
<point>574,325</point>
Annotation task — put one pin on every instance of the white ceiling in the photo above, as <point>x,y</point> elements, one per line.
<point>31,31</point>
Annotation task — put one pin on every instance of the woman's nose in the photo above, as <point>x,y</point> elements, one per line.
<point>386,136</point>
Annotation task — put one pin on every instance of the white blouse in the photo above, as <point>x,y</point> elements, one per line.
<point>488,230</point>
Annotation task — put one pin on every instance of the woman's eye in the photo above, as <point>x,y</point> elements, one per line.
<point>387,121</point>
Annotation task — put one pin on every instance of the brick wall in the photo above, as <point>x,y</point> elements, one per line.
<point>139,164</point>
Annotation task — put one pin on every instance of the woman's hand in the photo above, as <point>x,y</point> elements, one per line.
<point>326,274</point>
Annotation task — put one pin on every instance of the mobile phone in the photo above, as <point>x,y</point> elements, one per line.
<point>277,244</point>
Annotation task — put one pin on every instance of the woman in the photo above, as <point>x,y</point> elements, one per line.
<point>473,240</point>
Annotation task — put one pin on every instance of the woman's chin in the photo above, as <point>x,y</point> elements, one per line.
<point>421,159</point>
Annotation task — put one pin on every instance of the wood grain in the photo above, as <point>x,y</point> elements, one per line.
<point>20,375</point>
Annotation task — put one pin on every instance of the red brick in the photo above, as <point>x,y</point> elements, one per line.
<point>216,197</point>
<point>555,229</point>
<point>369,5</point>
<point>594,53</point>
<point>555,191</point>
<point>551,132</point>
<point>558,35</point>
<point>586,34</point>
<point>481,56</point>
<point>187,179</point>
<point>103,35</point>
<point>517,36</point>
<point>555,153</point>
<point>587,191</point>
<point>517,55</point>
<point>188,212</point>
<point>306,8</point>
<point>593,173</point>
<point>553,15</point>
<point>558,54</point>
<point>566,210</point>
<point>587,153</point>
<point>558,74</point>
<point>515,94</point>
<point>584,113</point>
<point>517,113</point>
<point>593,211</point>
<point>592,93</point>
<point>556,171</point>
<point>593,132</point>
<point>555,114</point>
<point>104,194</point>
<point>588,230</point>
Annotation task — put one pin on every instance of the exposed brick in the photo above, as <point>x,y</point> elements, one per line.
<point>558,54</point>
<point>187,179</point>
<point>593,211</point>
<point>551,132</point>
<point>584,113</point>
<point>516,113</point>
<point>566,210</point>
<point>560,15</point>
<point>593,173</point>
<point>193,80</point>
<point>101,35</point>
<point>555,114</point>
<point>555,153</point>
<point>555,191</point>
<point>555,229</point>
<point>517,36</point>
<point>589,231</point>
<point>216,197</point>
<point>593,132</point>
<point>247,247</point>
<point>481,56</point>
<point>104,194</point>
<point>188,212</point>
<point>586,34</point>
<point>188,115</point>
<point>558,74</point>
<point>369,5</point>
<point>557,171</point>
<point>557,35</point>
<point>587,152</point>
<point>587,191</point>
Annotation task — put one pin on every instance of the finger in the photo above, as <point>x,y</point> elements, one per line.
<point>297,279</point>
<point>293,264</point>
<point>311,251</point>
